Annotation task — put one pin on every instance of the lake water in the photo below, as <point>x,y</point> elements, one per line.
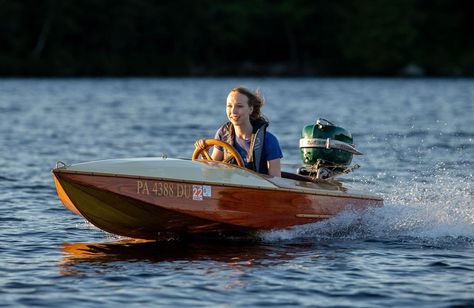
<point>417,137</point>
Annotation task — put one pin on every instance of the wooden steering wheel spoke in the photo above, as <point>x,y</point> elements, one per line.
<point>228,159</point>
<point>205,155</point>
<point>208,143</point>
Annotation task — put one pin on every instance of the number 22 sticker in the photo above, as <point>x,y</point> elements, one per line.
<point>200,191</point>
<point>197,192</point>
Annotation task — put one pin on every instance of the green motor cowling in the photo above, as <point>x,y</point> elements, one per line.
<point>326,144</point>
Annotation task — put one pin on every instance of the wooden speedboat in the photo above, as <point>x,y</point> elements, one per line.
<point>146,198</point>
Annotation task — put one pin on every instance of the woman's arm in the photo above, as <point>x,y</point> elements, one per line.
<point>274,167</point>
<point>217,154</point>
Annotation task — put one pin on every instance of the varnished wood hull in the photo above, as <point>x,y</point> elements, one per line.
<point>147,207</point>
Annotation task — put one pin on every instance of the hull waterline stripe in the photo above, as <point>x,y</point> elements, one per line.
<point>313,216</point>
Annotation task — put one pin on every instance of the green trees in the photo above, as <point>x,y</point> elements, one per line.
<point>255,37</point>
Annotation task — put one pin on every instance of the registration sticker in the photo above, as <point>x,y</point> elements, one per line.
<point>200,191</point>
<point>206,191</point>
<point>197,192</point>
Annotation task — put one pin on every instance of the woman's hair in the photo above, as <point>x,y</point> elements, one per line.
<point>255,100</point>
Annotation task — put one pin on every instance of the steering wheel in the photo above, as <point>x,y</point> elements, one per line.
<point>212,142</point>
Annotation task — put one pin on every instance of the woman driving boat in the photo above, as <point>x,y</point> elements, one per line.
<point>246,131</point>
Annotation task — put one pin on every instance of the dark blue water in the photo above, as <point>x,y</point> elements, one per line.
<point>417,136</point>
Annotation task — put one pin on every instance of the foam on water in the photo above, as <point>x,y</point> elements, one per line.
<point>439,211</point>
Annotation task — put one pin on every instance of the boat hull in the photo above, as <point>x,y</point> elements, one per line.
<point>110,204</point>
<point>147,207</point>
<point>133,198</point>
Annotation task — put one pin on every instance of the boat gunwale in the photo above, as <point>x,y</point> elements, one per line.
<point>276,188</point>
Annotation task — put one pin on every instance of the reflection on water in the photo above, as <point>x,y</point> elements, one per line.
<point>232,253</point>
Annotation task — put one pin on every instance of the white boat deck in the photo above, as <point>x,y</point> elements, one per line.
<point>175,169</point>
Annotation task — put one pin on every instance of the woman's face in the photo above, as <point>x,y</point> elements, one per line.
<point>238,109</point>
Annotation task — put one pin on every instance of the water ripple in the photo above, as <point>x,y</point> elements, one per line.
<point>417,250</point>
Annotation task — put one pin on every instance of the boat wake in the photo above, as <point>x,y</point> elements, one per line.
<point>438,212</point>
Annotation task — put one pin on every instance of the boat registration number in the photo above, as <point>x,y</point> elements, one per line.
<point>177,190</point>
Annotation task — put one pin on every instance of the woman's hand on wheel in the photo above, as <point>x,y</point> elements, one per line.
<point>200,144</point>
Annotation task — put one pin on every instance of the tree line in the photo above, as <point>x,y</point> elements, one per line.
<point>245,37</point>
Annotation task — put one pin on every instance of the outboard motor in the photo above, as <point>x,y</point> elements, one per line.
<point>326,150</point>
